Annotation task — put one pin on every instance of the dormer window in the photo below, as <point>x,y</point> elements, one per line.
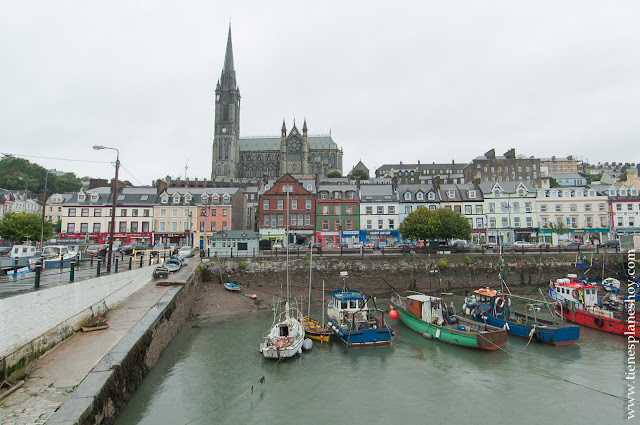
<point>634,191</point>
<point>215,199</point>
<point>164,198</point>
<point>81,197</point>
<point>472,194</point>
<point>451,194</point>
<point>432,196</point>
<point>226,199</point>
<point>612,192</point>
<point>623,192</point>
<point>188,197</point>
<point>204,199</point>
<point>337,195</point>
<point>496,193</point>
<point>592,193</point>
<point>521,192</point>
<point>407,196</point>
<point>94,197</point>
<point>176,198</point>
<point>419,196</point>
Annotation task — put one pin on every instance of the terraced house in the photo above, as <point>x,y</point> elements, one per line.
<point>337,214</point>
<point>379,218</point>
<point>510,208</point>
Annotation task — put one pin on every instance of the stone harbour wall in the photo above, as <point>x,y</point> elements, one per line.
<point>105,391</point>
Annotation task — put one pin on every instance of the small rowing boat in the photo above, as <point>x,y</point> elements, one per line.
<point>232,287</point>
<point>173,264</point>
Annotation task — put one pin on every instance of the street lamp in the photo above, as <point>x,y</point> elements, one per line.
<point>203,213</point>
<point>44,205</point>
<point>113,207</point>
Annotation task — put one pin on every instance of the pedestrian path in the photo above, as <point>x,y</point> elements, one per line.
<point>52,379</point>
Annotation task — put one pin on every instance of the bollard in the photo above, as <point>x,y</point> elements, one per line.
<point>231,250</point>
<point>116,270</point>
<point>98,268</point>
<point>141,260</point>
<point>149,255</point>
<point>61,262</point>
<point>38,271</point>
<point>15,266</point>
<point>130,262</point>
<point>208,252</point>
<point>72,273</point>
<point>91,261</point>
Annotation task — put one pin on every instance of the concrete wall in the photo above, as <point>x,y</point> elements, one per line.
<point>32,323</point>
<point>106,390</point>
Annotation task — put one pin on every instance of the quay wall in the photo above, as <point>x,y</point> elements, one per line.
<point>32,323</point>
<point>105,391</point>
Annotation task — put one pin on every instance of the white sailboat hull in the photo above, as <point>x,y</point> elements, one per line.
<point>278,343</point>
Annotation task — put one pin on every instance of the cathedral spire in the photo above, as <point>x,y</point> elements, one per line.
<point>228,71</point>
<point>284,129</point>
<point>304,127</point>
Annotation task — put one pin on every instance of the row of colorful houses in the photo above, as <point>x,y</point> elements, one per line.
<point>340,211</point>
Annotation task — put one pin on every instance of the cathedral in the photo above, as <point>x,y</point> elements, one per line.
<point>235,157</point>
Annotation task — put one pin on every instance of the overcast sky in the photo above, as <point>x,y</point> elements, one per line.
<point>392,81</point>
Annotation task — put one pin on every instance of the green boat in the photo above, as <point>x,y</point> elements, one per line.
<point>432,318</point>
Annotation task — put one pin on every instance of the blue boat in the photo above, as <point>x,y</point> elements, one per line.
<point>354,322</point>
<point>494,308</point>
<point>232,287</point>
<point>173,264</point>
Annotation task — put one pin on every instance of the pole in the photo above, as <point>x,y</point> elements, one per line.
<point>310,270</point>
<point>113,210</point>
<point>44,205</point>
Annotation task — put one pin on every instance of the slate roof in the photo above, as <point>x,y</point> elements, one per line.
<point>273,143</point>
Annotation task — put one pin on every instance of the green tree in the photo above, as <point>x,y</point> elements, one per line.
<point>419,225</point>
<point>18,173</point>
<point>452,225</point>
<point>16,227</point>
<point>334,174</point>
<point>559,227</point>
<point>359,173</point>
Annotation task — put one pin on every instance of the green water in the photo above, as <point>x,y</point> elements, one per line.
<point>206,373</point>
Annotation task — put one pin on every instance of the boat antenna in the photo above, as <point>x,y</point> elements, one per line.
<point>310,270</point>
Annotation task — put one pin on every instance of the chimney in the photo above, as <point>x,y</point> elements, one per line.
<point>418,162</point>
<point>317,178</point>
<point>511,153</point>
<point>161,185</point>
<point>490,154</point>
<point>394,183</point>
<point>358,183</point>
<point>436,182</point>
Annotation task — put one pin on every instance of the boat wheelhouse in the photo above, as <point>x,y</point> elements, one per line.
<point>354,322</point>
<point>54,256</point>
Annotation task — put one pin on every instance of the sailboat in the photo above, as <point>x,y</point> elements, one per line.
<point>286,335</point>
<point>314,329</point>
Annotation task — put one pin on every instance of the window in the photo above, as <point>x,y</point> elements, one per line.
<point>589,221</point>
<point>163,226</point>
<point>96,227</point>
<point>337,225</point>
<point>369,225</point>
<point>369,210</point>
<point>472,194</point>
<point>516,221</point>
<point>213,226</point>
<point>391,224</point>
<point>587,207</point>
<point>618,207</point>
<point>420,196</point>
<point>505,222</point>
<point>146,213</point>
<point>631,222</point>
<point>457,208</point>
<point>337,209</point>
<point>123,212</point>
<point>349,209</point>
<point>603,221</point>
<point>543,208</point>
<point>573,207</point>
<point>265,204</point>
<point>280,220</point>
<point>431,196</point>
<point>529,222</point>
<point>164,199</point>
<point>280,204</point>
<point>267,220</point>
<point>492,223</point>
<point>84,212</point>
<point>451,194</point>
<point>478,209</point>
<point>163,212</point>
<point>325,210</point>
<point>516,207</point>
<point>391,210</point>
<point>323,195</point>
<point>348,224</point>
<point>123,227</point>
<point>293,220</point>
<point>380,225</point>
<point>214,212</point>
<point>629,207</point>
<point>72,213</point>
<point>325,225</point>
<point>84,227</point>
<point>294,204</point>
<point>224,212</point>
<point>492,207</point>
<point>527,207</point>
<point>175,212</point>
<point>307,219</point>
<point>380,210</point>
<point>407,209</point>
<point>558,208</point>
<point>308,204</point>
<point>545,222</point>
<point>224,225</point>
<point>479,223</point>
<point>468,210</point>
<point>407,196</point>
<point>134,213</point>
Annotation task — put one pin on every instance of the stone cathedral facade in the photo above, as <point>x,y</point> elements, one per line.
<point>294,152</point>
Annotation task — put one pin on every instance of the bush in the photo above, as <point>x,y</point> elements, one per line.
<point>242,265</point>
<point>468,260</point>
<point>442,263</point>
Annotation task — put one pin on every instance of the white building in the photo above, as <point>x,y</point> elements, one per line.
<point>624,209</point>
<point>379,214</point>
<point>510,208</point>
<point>582,210</point>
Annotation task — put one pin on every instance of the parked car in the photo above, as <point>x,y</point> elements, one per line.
<point>569,244</point>
<point>276,245</point>
<point>613,243</point>
<point>543,245</point>
<point>185,252</point>
<point>523,244</point>
<point>98,250</point>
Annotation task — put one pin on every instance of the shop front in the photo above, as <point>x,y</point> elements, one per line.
<point>526,234</point>
<point>588,236</point>
<point>478,235</point>
<point>325,238</point>
<point>177,238</point>
<point>380,238</point>
<point>274,235</point>
<point>350,237</point>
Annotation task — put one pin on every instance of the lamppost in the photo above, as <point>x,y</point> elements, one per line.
<point>44,205</point>
<point>113,207</point>
<point>203,213</point>
<point>26,189</point>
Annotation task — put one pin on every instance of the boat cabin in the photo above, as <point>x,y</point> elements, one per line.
<point>56,251</point>
<point>22,251</point>
<point>350,309</point>
<point>426,307</point>
<point>570,289</point>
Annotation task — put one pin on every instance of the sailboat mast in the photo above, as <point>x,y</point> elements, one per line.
<point>286,234</point>
<point>310,271</point>
<point>323,302</point>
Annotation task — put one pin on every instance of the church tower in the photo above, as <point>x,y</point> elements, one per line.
<point>226,146</point>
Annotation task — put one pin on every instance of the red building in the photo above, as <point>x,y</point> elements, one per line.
<point>273,211</point>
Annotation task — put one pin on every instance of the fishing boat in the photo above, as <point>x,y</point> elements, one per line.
<point>53,256</point>
<point>354,322</point>
<point>173,264</point>
<point>431,317</point>
<point>494,308</point>
<point>312,328</point>
<point>232,287</point>
<point>580,302</point>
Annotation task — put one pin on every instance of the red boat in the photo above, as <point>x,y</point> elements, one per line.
<point>579,302</point>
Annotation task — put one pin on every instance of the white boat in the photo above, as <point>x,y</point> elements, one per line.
<point>285,337</point>
<point>18,257</point>
<point>232,287</point>
<point>54,256</point>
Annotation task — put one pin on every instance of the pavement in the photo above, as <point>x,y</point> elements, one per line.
<point>52,378</point>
